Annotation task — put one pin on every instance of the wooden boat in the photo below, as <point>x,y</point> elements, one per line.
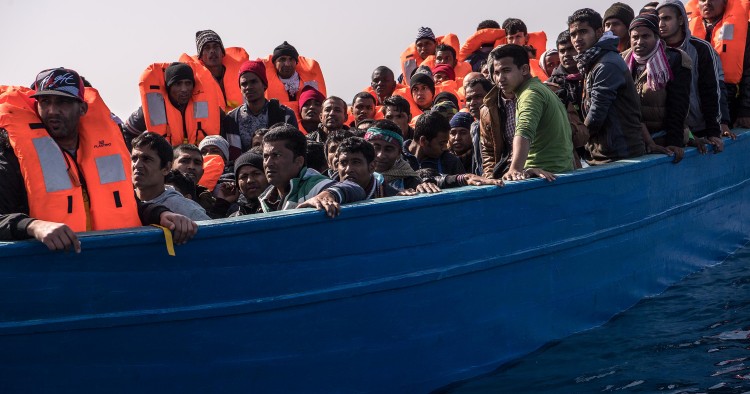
<point>395,295</point>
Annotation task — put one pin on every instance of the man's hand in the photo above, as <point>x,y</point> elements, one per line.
<point>700,144</point>
<point>476,180</point>
<point>428,187</point>
<point>676,152</point>
<point>516,175</point>
<point>227,191</point>
<point>742,122</point>
<point>324,201</point>
<point>718,144</point>
<point>726,132</point>
<point>56,236</point>
<point>182,227</point>
<point>407,192</point>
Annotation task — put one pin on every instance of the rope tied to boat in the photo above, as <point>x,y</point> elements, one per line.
<point>167,239</point>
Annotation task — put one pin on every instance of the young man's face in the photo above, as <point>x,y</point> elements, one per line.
<point>257,140</point>
<point>353,167</point>
<point>712,9</point>
<point>551,62</point>
<point>212,56</point>
<point>400,118</point>
<point>441,77</point>
<point>363,108</point>
<point>285,66</point>
<point>508,76</point>
<point>251,181</point>
<point>331,157</point>
<point>386,155</point>
<point>616,27</point>
<point>383,83</point>
<point>147,168</point>
<point>434,148</point>
<point>520,38</point>
<point>426,47</point>
<point>252,87</point>
<point>181,91</point>
<point>280,164</point>
<point>567,57</point>
<point>460,140</point>
<point>422,95</point>
<point>189,163</point>
<point>642,40</point>
<point>311,110</point>
<point>333,114</point>
<point>670,23</point>
<point>445,57</point>
<point>583,36</point>
<point>474,99</point>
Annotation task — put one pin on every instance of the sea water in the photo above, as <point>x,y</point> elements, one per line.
<point>693,338</point>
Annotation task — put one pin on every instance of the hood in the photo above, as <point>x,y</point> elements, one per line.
<point>608,42</point>
<point>685,22</point>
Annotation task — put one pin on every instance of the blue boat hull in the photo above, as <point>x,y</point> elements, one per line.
<point>400,295</point>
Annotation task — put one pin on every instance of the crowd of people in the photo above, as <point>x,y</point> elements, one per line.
<point>220,135</point>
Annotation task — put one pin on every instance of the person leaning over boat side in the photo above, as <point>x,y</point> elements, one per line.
<point>292,184</point>
<point>151,159</point>
<point>662,78</point>
<point>332,117</point>
<point>542,144</point>
<point>174,116</point>
<point>77,133</point>
<point>429,148</point>
<point>616,19</point>
<point>708,117</point>
<point>610,102</point>
<point>256,112</point>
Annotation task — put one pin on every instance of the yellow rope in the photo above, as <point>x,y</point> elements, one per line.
<point>167,239</point>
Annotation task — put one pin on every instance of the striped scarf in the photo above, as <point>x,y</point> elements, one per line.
<point>658,72</point>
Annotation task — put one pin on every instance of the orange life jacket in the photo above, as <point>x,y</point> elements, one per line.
<point>537,71</point>
<point>538,40</point>
<point>691,8</point>
<point>55,181</point>
<point>233,59</point>
<point>482,37</point>
<point>410,58</point>
<point>370,90</point>
<point>213,167</point>
<point>728,38</point>
<point>309,74</point>
<point>202,114</point>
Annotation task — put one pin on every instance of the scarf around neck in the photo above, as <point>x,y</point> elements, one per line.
<point>291,84</point>
<point>658,72</point>
<point>586,59</point>
<point>401,169</point>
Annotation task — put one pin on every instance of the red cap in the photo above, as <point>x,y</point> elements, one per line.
<point>310,93</point>
<point>256,67</point>
<point>444,68</point>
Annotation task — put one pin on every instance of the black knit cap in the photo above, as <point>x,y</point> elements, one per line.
<point>285,50</point>
<point>621,11</point>
<point>423,75</point>
<point>177,72</point>
<point>248,158</point>
<point>203,37</point>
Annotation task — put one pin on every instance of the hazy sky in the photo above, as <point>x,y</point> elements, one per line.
<point>111,43</point>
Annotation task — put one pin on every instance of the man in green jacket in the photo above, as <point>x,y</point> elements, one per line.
<point>542,144</point>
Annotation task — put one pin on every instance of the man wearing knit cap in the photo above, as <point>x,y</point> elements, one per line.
<point>617,18</point>
<point>251,182</point>
<point>257,112</point>
<point>708,117</point>
<point>443,72</point>
<point>288,73</point>
<point>217,66</point>
<point>425,42</point>
<point>180,83</point>
<point>422,87</point>
<point>662,78</point>
<point>310,107</point>
<point>460,142</point>
<point>424,45</point>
